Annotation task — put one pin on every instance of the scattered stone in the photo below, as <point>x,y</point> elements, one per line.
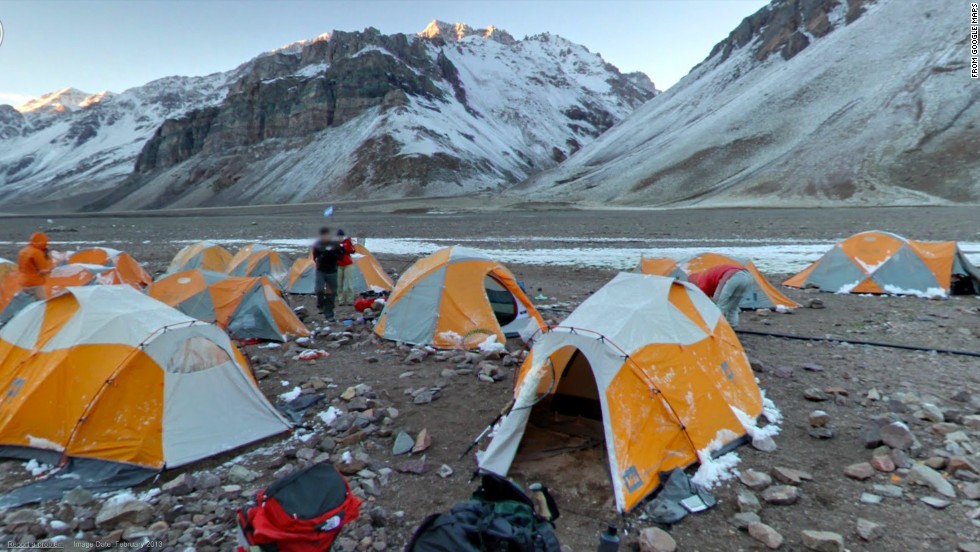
<point>757,366</point>
<point>791,476</point>
<point>888,490</point>
<point>957,464</point>
<point>781,495</point>
<point>901,459</point>
<point>869,498</point>
<point>812,367</point>
<point>78,497</point>
<point>818,418</point>
<point>815,304</point>
<point>784,372</point>
<point>754,480</point>
<point>874,394</point>
<point>972,491</point>
<point>207,480</point>
<point>968,547</point>
<point>883,463</point>
<point>870,435</point>
<point>241,474</point>
<point>417,466</point>
<point>936,462</point>
<point>924,475</point>
<point>653,539</point>
<point>764,444</point>
<point>765,534</point>
<point>403,444</point>
<point>972,421</point>
<point>869,530</point>
<point>815,394</point>
<point>445,471</point>
<point>932,413</point>
<point>426,396</point>
<point>348,394</point>
<point>823,541</point>
<point>859,471</point>
<point>935,502</point>
<point>822,433</point>
<point>897,435</point>
<point>179,486</point>
<point>747,501</point>
<point>422,442</point>
<point>115,512</point>
<point>742,520</point>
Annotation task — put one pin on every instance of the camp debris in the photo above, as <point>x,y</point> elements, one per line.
<point>457,298</point>
<point>125,268</point>
<point>203,255</point>
<point>135,382</point>
<point>665,379</point>
<point>258,260</point>
<point>763,295</point>
<point>248,307</point>
<point>884,263</point>
<point>367,274</point>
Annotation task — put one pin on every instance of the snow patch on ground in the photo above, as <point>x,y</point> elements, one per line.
<point>329,416</point>
<point>291,395</point>
<point>929,293</point>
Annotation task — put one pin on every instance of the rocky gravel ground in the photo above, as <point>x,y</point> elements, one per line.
<point>879,448</point>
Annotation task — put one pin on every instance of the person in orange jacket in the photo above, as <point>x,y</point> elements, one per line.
<point>34,264</point>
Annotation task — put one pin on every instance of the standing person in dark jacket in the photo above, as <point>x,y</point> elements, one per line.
<point>326,251</point>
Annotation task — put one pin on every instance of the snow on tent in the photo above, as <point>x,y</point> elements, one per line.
<point>258,260</point>
<point>202,255</point>
<point>368,274</point>
<point>249,308</point>
<point>763,295</point>
<point>885,263</point>
<point>127,270</point>
<point>664,381</point>
<point>117,386</point>
<point>457,297</point>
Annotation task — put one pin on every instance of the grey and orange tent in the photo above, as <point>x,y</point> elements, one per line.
<point>126,270</point>
<point>457,298</point>
<point>258,260</point>
<point>762,296</point>
<point>664,377</point>
<point>108,375</point>
<point>248,308</point>
<point>368,274</point>
<point>202,255</point>
<point>885,263</point>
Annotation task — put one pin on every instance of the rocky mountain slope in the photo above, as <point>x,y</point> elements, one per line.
<point>807,102</point>
<point>453,110</point>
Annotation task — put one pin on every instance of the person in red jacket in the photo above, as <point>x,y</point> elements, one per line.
<point>345,270</point>
<point>34,264</point>
<point>727,285</point>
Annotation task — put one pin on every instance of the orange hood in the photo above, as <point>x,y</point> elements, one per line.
<point>39,240</point>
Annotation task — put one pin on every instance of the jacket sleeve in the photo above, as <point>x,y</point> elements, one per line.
<point>349,246</point>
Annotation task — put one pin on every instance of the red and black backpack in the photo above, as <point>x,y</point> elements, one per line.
<point>302,512</point>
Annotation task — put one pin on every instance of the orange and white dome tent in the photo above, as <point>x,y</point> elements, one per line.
<point>203,255</point>
<point>457,297</point>
<point>127,270</point>
<point>886,263</point>
<point>248,308</point>
<point>107,373</point>
<point>367,274</point>
<point>62,277</point>
<point>258,260</point>
<point>762,296</point>
<point>665,376</point>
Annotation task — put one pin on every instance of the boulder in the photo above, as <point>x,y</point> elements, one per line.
<point>179,486</point>
<point>897,435</point>
<point>747,501</point>
<point>823,541</point>
<point>860,471</point>
<point>869,530</point>
<point>781,495</point>
<point>754,480</point>
<point>790,476</point>
<point>117,512</point>
<point>422,442</point>
<point>818,418</point>
<point>403,444</point>
<point>78,496</point>
<point>653,539</point>
<point>766,535</point>
<point>924,475</point>
<point>742,520</point>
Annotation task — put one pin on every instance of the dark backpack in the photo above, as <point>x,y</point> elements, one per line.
<point>302,512</point>
<point>499,517</point>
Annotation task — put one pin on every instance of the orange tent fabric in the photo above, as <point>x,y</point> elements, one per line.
<point>665,376</point>
<point>258,260</point>
<point>885,263</point>
<point>764,296</point>
<point>246,307</point>
<point>145,385</point>
<point>127,270</point>
<point>202,255</point>
<point>368,274</point>
<point>442,301</point>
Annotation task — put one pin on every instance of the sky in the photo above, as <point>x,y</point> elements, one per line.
<point>118,44</point>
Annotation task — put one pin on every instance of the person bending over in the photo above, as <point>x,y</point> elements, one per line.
<point>727,285</point>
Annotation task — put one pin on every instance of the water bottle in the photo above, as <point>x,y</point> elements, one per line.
<point>609,540</point>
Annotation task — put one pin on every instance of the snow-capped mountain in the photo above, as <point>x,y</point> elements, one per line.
<point>451,110</point>
<point>807,102</point>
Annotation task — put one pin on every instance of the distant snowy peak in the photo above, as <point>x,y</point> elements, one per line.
<point>61,101</point>
<point>457,31</point>
<point>297,46</point>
